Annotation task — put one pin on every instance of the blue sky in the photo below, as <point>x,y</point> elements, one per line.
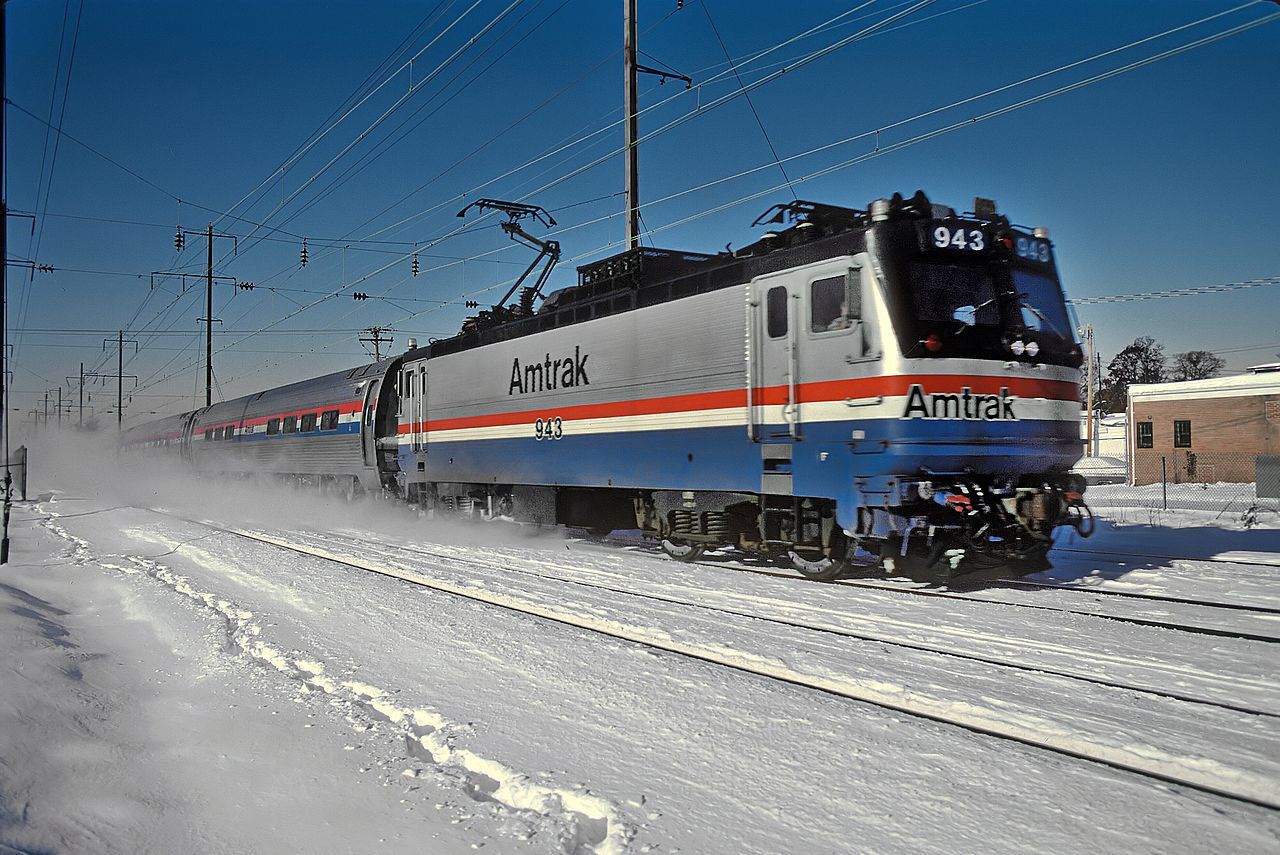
<point>1160,178</point>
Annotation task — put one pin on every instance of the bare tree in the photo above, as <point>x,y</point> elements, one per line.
<point>1140,362</point>
<point>1196,365</point>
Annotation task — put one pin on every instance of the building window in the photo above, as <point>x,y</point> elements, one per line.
<point>776,309</point>
<point>308,422</point>
<point>290,424</point>
<point>273,427</point>
<point>1182,433</point>
<point>328,420</point>
<point>1146,435</point>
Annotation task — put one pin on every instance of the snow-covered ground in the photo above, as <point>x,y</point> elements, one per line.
<point>171,686</point>
<point>1224,504</point>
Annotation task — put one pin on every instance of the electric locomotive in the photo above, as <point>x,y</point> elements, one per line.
<point>898,383</point>
<point>895,384</point>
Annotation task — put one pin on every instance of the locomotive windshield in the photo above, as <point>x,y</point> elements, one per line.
<point>984,300</point>
<point>953,292</point>
<point>1040,300</point>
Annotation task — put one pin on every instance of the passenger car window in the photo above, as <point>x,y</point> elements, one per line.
<point>273,427</point>
<point>776,311</point>
<point>328,420</point>
<point>228,431</point>
<point>308,422</point>
<point>834,302</point>
<point>208,434</point>
<point>290,424</point>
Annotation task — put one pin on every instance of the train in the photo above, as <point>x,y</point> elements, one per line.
<point>894,386</point>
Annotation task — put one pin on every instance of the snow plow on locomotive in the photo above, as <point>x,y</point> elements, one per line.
<point>896,384</point>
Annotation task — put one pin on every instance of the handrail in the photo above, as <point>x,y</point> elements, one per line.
<point>751,373</point>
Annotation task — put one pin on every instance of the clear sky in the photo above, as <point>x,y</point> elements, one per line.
<point>1160,178</point>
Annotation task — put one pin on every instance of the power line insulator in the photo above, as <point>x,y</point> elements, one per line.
<point>471,304</point>
<point>44,268</point>
<point>360,295</point>
<point>415,264</point>
<point>303,258</point>
<point>245,286</point>
<point>179,239</point>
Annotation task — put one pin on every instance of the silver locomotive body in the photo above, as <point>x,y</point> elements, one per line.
<point>816,392</point>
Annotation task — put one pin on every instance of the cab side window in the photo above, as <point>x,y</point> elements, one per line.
<point>776,311</point>
<point>834,302</point>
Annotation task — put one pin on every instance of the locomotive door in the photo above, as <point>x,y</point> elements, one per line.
<point>420,414</point>
<point>773,412</point>
<point>368,422</point>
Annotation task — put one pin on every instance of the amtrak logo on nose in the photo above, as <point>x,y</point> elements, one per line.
<point>966,406</point>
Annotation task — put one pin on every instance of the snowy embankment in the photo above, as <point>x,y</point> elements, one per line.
<point>247,698</point>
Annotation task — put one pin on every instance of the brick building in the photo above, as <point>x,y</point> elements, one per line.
<point>1205,431</point>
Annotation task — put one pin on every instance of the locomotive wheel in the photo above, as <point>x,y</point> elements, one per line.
<point>824,569</point>
<point>681,550</point>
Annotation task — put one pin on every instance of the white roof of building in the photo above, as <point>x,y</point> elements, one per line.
<point>1235,386</point>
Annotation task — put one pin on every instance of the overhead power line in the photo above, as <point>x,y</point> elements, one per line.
<point>902,144</point>
<point>1177,292</point>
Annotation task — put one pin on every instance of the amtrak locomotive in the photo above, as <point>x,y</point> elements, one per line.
<point>899,383</point>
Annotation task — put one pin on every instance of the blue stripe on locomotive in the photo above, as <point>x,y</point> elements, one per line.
<point>723,458</point>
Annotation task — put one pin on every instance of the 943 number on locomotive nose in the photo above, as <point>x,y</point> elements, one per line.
<point>959,237</point>
<point>549,428</point>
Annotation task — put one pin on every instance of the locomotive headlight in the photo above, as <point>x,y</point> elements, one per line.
<point>1032,348</point>
<point>1018,348</point>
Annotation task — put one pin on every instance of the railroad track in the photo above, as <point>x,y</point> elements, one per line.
<point>1241,787</point>
<point>880,638</point>
<point>917,706</point>
<point>1120,554</point>
<point>1159,598</point>
<point>966,594</point>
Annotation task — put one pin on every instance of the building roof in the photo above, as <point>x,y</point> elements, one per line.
<point>1265,367</point>
<point>1235,386</point>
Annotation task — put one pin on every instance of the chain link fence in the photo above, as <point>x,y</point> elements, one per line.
<point>1233,487</point>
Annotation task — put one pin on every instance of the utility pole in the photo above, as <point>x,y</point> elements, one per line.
<point>81,394</point>
<point>632,122</point>
<point>179,242</point>
<point>120,376</point>
<point>4,286</point>
<point>120,342</point>
<point>376,339</point>
<point>1089,382</point>
<point>631,68</point>
<point>59,408</point>
<point>208,326</point>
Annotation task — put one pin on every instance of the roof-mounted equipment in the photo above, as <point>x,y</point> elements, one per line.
<point>548,255</point>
